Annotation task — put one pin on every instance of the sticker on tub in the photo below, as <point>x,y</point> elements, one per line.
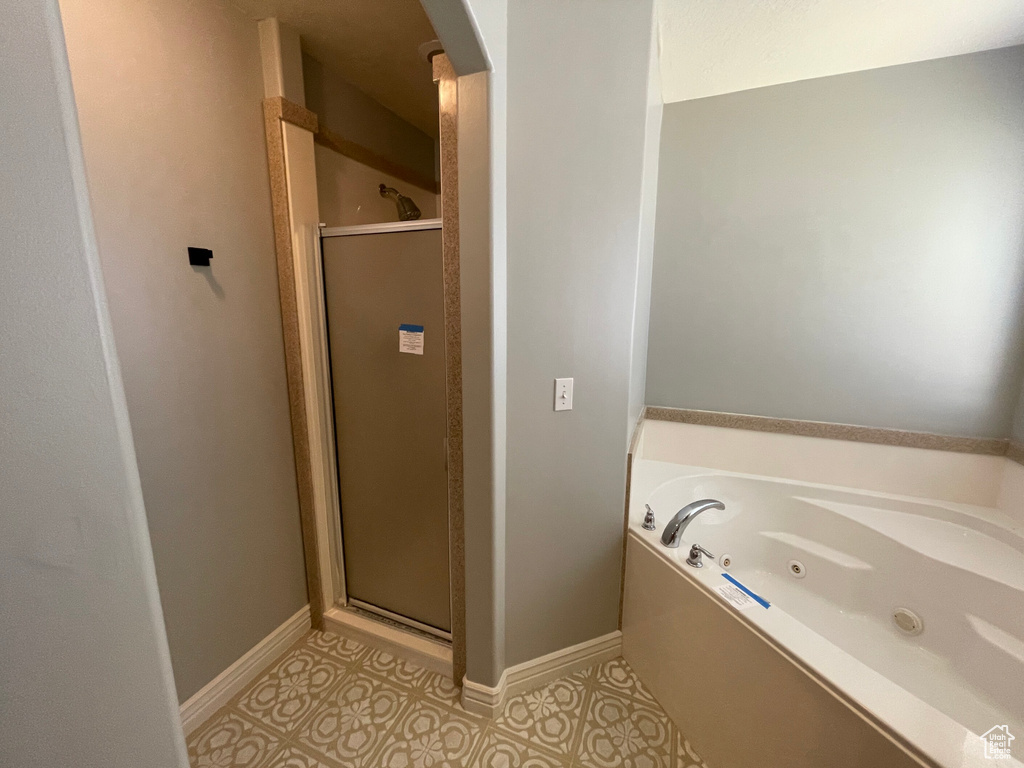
<point>738,595</point>
<point>735,596</point>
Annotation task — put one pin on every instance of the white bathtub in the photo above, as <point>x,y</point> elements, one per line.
<point>861,557</point>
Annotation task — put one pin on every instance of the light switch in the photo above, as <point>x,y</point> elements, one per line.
<point>563,394</point>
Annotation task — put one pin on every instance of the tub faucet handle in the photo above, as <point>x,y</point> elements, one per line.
<point>649,524</point>
<point>695,556</point>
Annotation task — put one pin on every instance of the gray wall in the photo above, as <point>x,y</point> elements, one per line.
<point>577,116</point>
<point>169,100</point>
<point>847,249</point>
<point>85,677</point>
<point>482,116</point>
<point>353,115</point>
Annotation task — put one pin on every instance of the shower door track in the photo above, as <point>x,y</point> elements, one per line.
<point>380,229</point>
<point>398,618</point>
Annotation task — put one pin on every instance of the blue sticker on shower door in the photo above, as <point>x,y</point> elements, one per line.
<point>410,339</point>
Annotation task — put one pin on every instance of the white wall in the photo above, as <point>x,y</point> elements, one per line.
<point>169,96</point>
<point>735,45</point>
<point>577,123</point>
<point>86,677</point>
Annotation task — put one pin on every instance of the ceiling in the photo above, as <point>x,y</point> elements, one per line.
<point>371,43</point>
<point>708,48</point>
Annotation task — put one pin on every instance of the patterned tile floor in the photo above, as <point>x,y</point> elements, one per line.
<point>331,703</point>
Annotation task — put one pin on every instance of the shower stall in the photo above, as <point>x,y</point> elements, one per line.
<point>384,296</point>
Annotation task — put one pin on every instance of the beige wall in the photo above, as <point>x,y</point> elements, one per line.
<point>169,95</point>
<point>350,113</point>
<point>349,192</point>
<point>348,189</point>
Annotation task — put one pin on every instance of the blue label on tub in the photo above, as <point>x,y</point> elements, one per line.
<point>756,598</point>
<point>410,328</point>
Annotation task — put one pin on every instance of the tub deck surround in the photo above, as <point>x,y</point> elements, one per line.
<point>829,643</point>
<point>332,702</point>
<point>966,478</point>
<point>991,446</point>
<point>747,705</point>
<point>1011,491</point>
<point>634,447</point>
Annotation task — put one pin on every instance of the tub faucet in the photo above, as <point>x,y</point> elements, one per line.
<point>673,533</point>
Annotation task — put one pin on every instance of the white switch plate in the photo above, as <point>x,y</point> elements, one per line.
<point>563,394</point>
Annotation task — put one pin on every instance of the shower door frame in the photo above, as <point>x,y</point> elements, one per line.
<point>440,655</point>
<point>290,131</point>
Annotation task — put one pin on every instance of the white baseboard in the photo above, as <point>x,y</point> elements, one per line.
<point>482,699</point>
<point>422,651</point>
<point>488,701</point>
<point>219,691</point>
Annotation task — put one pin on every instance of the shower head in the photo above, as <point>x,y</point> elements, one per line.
<point>407,210</point>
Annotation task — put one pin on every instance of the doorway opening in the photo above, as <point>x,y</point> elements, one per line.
<point>369,279</point>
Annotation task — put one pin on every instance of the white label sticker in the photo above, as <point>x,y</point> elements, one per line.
<point>410,339</point>
<point>735,596</point>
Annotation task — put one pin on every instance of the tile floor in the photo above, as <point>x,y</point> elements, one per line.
<point>331,703</point>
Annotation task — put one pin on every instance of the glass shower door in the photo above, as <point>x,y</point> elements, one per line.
<point>390,419</point>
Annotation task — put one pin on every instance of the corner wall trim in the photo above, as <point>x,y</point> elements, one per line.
<point>318,581</point>
<point>1015,452</point>
<point>989,446</point>
<point>634,442</point>
<point>216,693</point>
<point>485,700</point>
<point>293,113</point>
<point>448,107</point>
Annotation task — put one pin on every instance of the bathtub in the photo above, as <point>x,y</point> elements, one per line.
<point>826,676</point>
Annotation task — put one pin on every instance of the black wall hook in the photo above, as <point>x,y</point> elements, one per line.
<point>199,257</point>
